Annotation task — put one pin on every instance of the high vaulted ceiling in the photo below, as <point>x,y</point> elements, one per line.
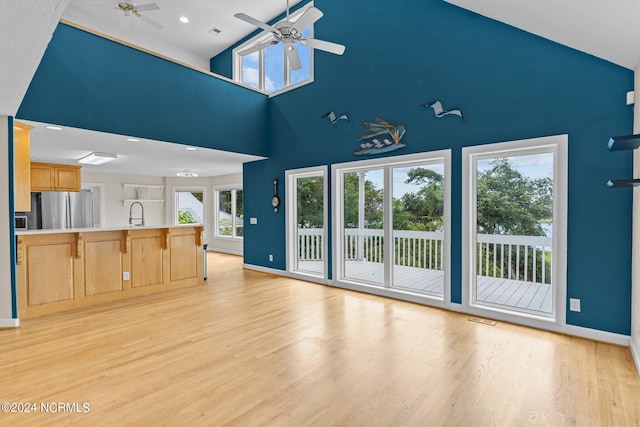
<point>609,29</point>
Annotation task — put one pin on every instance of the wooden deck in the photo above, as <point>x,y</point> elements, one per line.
<point>510,293</point>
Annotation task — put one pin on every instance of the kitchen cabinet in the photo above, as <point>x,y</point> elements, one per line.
<point>22,166</point>
<point>54,177</point>
<point>59,270</point>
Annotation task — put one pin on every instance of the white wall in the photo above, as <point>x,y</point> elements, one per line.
<point>117,215</point>
<point>5,235</point>
<point>163,214</point>
<point>635,255</point>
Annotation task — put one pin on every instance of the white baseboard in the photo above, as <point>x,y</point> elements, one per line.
<point>635,353</point>
<point>9,323</point>
<point>593,334</point>
<point>283,273</point>
<point>223,251</point>
<point>596,335</point>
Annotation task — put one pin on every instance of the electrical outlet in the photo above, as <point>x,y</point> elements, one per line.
<point>270,257</point>
<point>253,220</point>
<point>125,275</point>
<point>574,304</point>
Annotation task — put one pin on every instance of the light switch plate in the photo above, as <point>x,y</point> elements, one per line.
<point>253,220</point>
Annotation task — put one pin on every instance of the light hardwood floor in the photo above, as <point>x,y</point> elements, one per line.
<point>254,349</point>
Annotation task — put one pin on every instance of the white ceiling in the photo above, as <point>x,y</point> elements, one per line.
<point>191,42</point>
<point>142,157</point>
<point>609,29</point>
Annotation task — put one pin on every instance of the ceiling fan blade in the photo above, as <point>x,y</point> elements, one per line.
<point>147,6</point>
<point>310,16</point>
<point>254,21</point>
<point>151,21</point>
<point>338,49</point>
<point>292,56</point>
<point>257,47</point>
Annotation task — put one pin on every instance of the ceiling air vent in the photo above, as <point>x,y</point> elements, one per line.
<point>214,31</point>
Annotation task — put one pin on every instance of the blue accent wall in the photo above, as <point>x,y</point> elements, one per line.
<point>89,82</point>
<point>511,84</point>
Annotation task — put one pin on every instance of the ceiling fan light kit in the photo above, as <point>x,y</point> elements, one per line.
<point>290,33</point>
<point>131,8</point>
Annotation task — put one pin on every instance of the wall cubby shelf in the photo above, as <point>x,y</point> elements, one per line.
<point>618,143</point>
<point>156,187</point>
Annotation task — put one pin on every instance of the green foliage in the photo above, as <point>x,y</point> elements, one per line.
<point>185,217</point>
<point>510,203</point>
<point>310,202</point>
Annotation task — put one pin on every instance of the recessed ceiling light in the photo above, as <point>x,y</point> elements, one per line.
<point>54,128</point>
<point>187,174</point>
<point>133,140</point>
<point>191,148</point>
<point>184,19</point>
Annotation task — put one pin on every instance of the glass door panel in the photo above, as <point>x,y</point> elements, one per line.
<point>309,230</point>
<point>363,231</point>
<point>514,230</point>
<point>418,228</point>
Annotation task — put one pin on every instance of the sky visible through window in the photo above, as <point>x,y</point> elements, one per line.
<point>274,64</point>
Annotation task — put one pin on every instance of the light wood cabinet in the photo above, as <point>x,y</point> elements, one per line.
<point>60,270</point>
<point>54,177</point>
<point>22,167</point>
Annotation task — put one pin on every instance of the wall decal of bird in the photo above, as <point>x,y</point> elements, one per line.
<point>441,112</point>
<point>374,131</point>
<point>334,119</point>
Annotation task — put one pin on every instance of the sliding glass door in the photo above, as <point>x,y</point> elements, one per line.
<point>391,230</point>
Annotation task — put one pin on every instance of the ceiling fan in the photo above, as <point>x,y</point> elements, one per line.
<point>290,33</point>
<point>131,8</point>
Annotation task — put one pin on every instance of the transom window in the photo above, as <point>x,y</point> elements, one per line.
<point>268,69</point>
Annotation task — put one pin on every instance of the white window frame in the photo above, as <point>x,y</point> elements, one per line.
<point>216,206</point>
<point>292,214</point>
<point>188,189</point>
<point>266,36</point>
<point>558,145</point>
<point>388,163</point>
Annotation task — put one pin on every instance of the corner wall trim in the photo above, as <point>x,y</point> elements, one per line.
<point>596,335</point>
<point>9,323</point>
<point>635,354</point>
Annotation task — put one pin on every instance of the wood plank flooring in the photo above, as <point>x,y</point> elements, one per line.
<point>251,348</point>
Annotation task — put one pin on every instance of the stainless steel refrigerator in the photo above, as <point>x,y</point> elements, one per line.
<point>62,210</point>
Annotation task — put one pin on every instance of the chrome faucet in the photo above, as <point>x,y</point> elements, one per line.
<point>131,218</point>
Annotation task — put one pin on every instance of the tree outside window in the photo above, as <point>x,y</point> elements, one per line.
<point>230,215</point>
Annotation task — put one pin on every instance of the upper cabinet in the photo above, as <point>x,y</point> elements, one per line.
<point>53,177</point>
<point>21,155</point>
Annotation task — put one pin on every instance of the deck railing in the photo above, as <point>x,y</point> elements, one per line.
<point>525,258</point>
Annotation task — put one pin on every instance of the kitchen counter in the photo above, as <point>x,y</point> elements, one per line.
<point>86,230</point>
<point>62,269</point>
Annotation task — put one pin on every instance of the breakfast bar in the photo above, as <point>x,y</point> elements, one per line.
<point>62,269</point>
